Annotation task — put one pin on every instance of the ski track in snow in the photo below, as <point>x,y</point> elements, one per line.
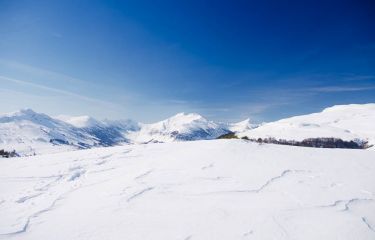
<point>208,166</point>
<point>73,174</point>
<point>143,175</point>
<point>138,194</point>
<point>25,198</point>
<point>272,180</point>
<point>188,237</point>
<point>364,220</point>
<point>262,187</point>
<point>248,233</point>
<point>284,231</point>
<point>34,215</point>
<point>48,185</point>
<point>346,203</point>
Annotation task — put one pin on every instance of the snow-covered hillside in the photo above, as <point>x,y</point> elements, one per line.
<point>181,127</point>
<point>348,122</point>
<point>109,132</point>
<point>220,189</point>
<point>29,133</point>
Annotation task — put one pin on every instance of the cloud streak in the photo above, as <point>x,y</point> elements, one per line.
<point>360,78</point>
<point>59,91</point>
<point>330,89</point>
<point>51,75</point>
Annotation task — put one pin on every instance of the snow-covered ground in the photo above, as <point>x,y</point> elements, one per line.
<point>218,189</point>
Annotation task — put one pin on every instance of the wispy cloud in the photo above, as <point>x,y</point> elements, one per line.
<point>55,90</point>
<point>359,77</point>
<point>329,89</point>
<point>32,70</point>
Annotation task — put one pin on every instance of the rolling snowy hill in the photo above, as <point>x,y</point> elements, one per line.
<point>347,122</point>
<point>219,189</point>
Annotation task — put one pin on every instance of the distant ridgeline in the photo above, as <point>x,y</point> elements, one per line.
<point>309,142</point>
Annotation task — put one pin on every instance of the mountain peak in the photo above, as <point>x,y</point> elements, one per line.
<point>27,111</point>
<point>246,121</point>
<point>184,114</point>
<point>21,112</point>
<point>188,117</point>
<point>25,114</point>
<point>242,126</point>
<point>80,121</point>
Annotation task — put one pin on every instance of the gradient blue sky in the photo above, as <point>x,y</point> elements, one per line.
<point>147,60</point>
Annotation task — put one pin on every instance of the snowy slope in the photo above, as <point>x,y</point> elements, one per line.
<point>181,127</point>
<point>109,132</point>
<point>220,189</point>
<point>348,122</point>
<point>29,132</point>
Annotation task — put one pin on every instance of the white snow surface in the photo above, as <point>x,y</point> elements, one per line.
<point>348,122</point>
<point>219,189</point>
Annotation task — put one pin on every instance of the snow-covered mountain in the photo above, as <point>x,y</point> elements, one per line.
<point>108,132</point>
<point>80,121</point>
<point>347,122</point>
<point>181,127</point>
<point>29,132</point>
<point>242,126</point>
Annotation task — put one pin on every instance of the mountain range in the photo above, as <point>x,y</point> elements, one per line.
<point>28,132</point>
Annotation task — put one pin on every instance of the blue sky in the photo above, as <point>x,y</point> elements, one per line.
<point>147,60</point>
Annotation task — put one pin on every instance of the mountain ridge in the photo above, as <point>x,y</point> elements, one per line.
<point>29,132</point>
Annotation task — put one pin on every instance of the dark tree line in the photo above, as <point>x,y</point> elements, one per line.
<point>317,143</point>
<point>7,154</point>
<point>309,142</point>
<point>228,136</point>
